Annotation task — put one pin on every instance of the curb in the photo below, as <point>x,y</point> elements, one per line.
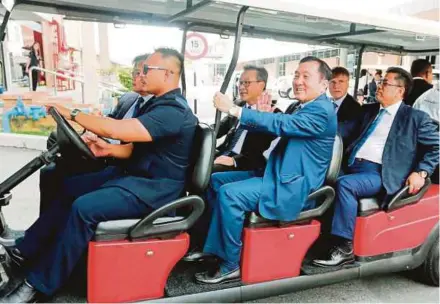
<point>23,141</point>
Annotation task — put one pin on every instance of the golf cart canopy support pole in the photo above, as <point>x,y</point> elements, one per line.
<point>233,63</point>
<point>182,51</point>
<point>358,71</point>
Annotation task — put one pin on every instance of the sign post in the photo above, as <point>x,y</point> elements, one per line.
<point>196,46</point>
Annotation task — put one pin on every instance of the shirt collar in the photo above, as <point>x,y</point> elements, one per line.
<point>340,100</point>
<point>147,97</point>
<point>153,98</point>
<point>253,107</point>
<point>302,105</point>
<point>392,109</point>
<point>418,78</point>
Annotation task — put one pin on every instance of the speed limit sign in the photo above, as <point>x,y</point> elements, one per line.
<point>196,46</point>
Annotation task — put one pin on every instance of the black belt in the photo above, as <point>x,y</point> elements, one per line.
<point>366,160</point>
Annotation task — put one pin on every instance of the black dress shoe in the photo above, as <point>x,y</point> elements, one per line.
<point>196,256</point>
<point>217,278</point>
<point>24,293</point>
<point>339,255</point>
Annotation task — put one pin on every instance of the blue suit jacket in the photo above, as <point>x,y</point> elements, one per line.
<point>300,161</point>
<point>412,144</point>
<point>124,104</point>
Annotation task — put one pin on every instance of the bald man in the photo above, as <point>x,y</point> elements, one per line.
<point>157,144</point>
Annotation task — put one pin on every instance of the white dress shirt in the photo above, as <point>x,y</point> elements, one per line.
<point>429,102</point>
<point>372,149</point>
<point>338,102</point>
<point>274,142</point>
<point>239,145</point>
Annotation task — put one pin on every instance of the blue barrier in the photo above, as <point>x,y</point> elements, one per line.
<point>20,109</point>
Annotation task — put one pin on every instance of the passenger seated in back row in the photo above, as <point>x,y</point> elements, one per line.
<point>295,168</point>
<point>243,149</point>
<point>391,145</point>
<point>157,151</point>
<point>346,106</point>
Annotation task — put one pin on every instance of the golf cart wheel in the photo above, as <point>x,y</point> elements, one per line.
<point>431,265</point>
<point>428,272</point>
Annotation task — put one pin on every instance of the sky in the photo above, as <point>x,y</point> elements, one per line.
<point>126,43</point>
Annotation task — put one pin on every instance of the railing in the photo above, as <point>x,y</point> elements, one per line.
<point>81,81</point>
<point>103,83</point>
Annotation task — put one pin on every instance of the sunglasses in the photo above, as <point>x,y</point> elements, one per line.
<point>147,68</point>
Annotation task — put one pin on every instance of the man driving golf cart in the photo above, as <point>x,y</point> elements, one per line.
<point>157,149</point>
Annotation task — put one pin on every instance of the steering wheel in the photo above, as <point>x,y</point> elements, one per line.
<point>67,136</point>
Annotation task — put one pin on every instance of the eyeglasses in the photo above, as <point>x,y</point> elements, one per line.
<point>247,83</point>
<point>147,68</point>
<point>386,84</point>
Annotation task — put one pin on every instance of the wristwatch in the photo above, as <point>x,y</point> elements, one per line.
<point>423,174</point>
<point>73,114</point>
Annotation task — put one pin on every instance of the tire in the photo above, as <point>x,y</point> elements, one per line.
<point>428,272</point>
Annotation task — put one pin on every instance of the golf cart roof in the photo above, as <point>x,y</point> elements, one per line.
<point>288,20</point>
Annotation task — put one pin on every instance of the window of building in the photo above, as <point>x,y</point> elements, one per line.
<point>282,69</point>
<point>220,69</point>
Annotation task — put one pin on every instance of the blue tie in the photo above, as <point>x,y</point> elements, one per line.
<point>364,138</point>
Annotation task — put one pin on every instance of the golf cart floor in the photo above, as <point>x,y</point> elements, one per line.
<point>181,280</point>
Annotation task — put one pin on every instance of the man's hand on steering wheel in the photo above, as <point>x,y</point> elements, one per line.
<point>65,112</point>
<point>99,147</point>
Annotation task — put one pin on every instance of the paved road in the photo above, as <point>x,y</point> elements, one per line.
<point>388,289</point>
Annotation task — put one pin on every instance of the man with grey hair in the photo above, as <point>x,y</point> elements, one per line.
<point>243,150</point>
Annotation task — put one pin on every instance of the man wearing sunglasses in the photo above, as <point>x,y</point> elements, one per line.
<point>157,146</point>
<point>243,150</point>
<point>51,175</point>
<point>389,146</point>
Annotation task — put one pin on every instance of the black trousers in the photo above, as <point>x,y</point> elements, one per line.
<point>34,80</point>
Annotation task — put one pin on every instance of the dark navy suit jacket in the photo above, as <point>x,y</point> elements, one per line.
<point>412,144</point>
<point>299,163</point>
<point>124,104</point>
<point>155,172</point>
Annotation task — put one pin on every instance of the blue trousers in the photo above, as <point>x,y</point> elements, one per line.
<point>56,241</point>
<point>230,195</point>
<point>363,180</point>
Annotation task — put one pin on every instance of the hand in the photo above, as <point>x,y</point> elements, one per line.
<point>415,182</point>
<point>98,146</point>
<point>89,137</point>
<point>264,103</point>
<point>224,160</point>
<point>222,102</point>
<point>65,112</point>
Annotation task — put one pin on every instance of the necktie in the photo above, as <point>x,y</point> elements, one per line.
<point>275,143</point>
<point>364,138</point>
<point>137,107</point>
<point>237,134</point>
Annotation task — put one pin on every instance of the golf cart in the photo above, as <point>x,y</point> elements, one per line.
<point>144,255</point>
